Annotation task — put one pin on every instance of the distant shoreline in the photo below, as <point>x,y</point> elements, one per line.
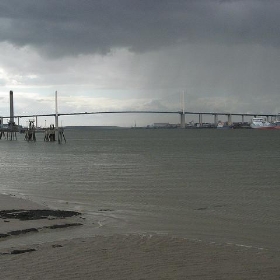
<point>93,127</point>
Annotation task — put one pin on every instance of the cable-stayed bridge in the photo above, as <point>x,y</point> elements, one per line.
<point>143,112</point>
<point>182,114</point>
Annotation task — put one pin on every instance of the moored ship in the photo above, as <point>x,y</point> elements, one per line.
<point>277,124</point>
<point>262,123</point>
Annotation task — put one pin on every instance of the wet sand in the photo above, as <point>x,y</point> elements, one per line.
<point>130,256</point>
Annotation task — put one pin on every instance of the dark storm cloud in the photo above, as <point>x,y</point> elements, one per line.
<point>72,27</point>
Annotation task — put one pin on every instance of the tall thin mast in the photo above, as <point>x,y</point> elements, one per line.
<point>56,111</point>
<point>183,102</point>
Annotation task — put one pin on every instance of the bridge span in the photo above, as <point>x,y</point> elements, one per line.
<point>182,115</point>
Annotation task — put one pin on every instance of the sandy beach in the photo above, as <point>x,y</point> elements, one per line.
<point>132,256</point>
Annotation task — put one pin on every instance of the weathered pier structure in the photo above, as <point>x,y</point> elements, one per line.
<point>30,132</point>
<point>9,131</point>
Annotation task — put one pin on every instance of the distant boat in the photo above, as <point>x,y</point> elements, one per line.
<point>262,123</point>
<point>222,125</point>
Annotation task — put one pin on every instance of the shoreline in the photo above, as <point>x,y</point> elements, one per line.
<point>120,256</point>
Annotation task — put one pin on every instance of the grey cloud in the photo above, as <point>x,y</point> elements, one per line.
<point>2,82</point>
<point>61,28</point>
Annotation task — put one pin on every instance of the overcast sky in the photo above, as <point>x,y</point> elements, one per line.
<point>139,55</point>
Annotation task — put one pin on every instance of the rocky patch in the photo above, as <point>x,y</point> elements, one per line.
<point>24,215</point>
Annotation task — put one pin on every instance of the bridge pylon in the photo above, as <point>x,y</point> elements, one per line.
<point>183,119</point>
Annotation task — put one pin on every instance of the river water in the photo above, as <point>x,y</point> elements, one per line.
<point>213,185</point>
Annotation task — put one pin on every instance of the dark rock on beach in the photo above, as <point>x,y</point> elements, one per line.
<point>3,235</point>
<point>24,215</point>
<point>105,210</point>
<point>64,226</point>
<point>57,246</point>
<point>29,230</point>
<point>27,221</point>
<point>23,231</point>
<point>15,252</point>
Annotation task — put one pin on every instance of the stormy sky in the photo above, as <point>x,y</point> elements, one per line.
<point>139,55</point>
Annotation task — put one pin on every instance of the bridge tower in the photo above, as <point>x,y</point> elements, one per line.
<point>183,120</point>
<point>229,119</point>
<point>200,121</point>
<point>182,114</point>
<point>216,119</point>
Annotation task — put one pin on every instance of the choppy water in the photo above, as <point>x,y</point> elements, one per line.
<point>213,185</point>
